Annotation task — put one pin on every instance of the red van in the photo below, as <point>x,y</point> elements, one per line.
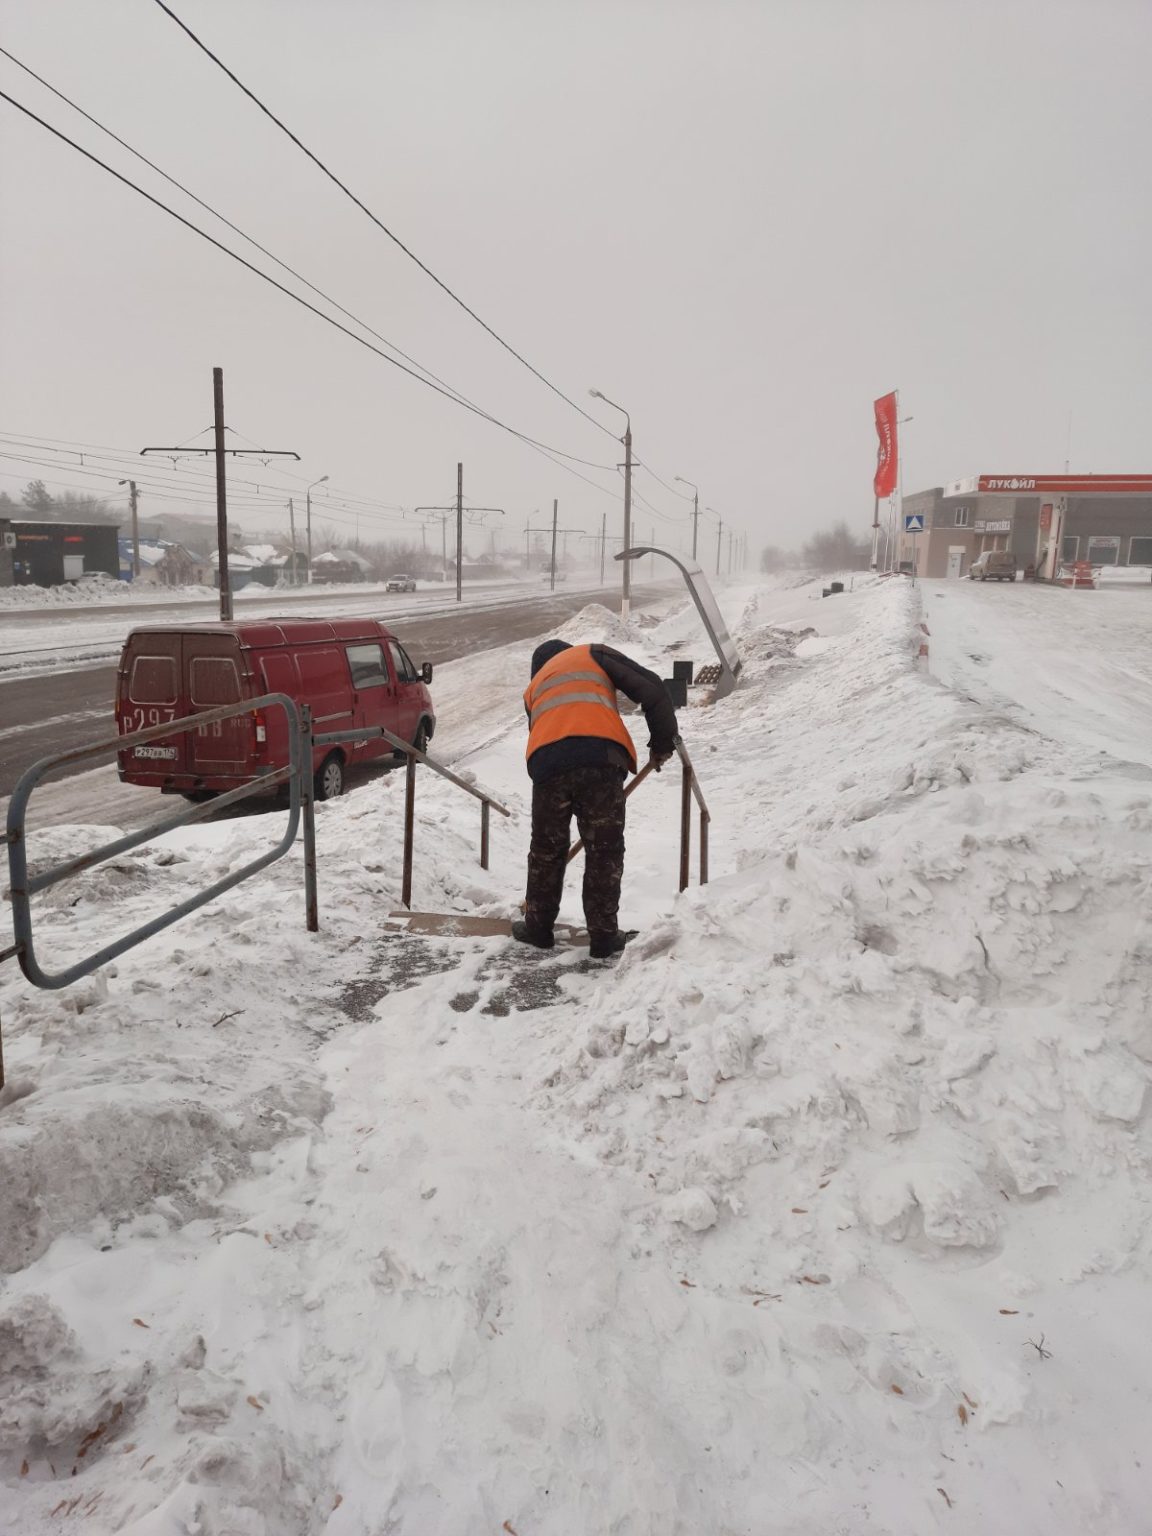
<point>352,672</point>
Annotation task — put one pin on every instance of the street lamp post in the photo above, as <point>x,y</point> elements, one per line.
<point>695,508</point>
<point>308,502</point>
<point>626,592</point>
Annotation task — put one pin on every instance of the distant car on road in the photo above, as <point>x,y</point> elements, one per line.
<point>993,565</point>
<point>560,576</point>
<point>400,584</point>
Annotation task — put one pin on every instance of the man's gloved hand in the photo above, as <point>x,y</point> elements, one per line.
<point>658,759</point>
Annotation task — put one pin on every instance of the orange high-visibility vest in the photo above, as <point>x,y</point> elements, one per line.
<point>572,695</point>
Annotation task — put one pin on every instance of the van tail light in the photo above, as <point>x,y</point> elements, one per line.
<point>259,728</point>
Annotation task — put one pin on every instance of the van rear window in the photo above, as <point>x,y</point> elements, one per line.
<point>153,680</point>
<point>213,680</point>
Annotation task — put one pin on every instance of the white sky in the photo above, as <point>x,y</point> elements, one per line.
<point>742,221</point>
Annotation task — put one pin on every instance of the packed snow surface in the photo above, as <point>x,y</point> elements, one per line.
<point>824,1210</point>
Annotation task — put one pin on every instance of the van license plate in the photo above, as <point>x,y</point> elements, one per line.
<point>165,752</point>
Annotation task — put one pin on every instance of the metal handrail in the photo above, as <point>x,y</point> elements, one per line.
<point>690,788</point>
<point>23,887</point>
<point>413,756</point>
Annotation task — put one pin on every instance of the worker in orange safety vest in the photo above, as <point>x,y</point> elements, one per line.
<point>579,754</point>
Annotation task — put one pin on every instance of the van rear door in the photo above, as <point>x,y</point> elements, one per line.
<point>213,678</point>
<point>150,693</point>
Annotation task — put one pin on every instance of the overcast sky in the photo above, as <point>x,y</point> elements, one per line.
<point>743,221</point>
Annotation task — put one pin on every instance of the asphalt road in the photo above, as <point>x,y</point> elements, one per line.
<point>44,715</point>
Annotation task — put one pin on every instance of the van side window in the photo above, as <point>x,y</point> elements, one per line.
<point>212,680</point>
<point>366,663</point>
<point>405,671</point>
<point>153,680</point>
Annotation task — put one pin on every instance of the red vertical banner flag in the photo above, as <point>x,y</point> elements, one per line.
<point>884,482</point>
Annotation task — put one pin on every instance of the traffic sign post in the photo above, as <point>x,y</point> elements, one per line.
<point>914,524</point>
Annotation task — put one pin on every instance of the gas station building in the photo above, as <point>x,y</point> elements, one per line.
<point>1047,521</point>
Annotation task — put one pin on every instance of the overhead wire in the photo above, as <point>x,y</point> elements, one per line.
<point>168,11</point>
<point>422,375</point>
<point>126,459</point>
<point>555,455</point>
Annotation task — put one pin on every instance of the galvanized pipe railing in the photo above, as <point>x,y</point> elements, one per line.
<point>23,886</point>
<point>689,790</point>
<point>413,756</point>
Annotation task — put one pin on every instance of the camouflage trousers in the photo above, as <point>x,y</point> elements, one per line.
<point>595,796</point>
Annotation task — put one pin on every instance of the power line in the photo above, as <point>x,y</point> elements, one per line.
<point>168,11</point>
<point>543,448</point>
<point>215,212</point>
<point>423,375</point>
<point>126,457</point>
<point>166,489</point>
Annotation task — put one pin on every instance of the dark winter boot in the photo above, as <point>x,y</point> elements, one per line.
<point>603,946</point>
<point>526,935</point>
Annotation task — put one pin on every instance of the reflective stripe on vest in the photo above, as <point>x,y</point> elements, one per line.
<point>561,704</point>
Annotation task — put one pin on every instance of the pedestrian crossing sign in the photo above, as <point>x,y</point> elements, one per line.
<point>914,522</point>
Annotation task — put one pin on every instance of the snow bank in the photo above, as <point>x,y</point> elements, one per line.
<point>824,1209</point>
<point>97,589</point>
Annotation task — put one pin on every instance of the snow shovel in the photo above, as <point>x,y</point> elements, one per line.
<point>578,845</point>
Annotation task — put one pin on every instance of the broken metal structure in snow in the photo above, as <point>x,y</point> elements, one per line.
<point>708,609</point>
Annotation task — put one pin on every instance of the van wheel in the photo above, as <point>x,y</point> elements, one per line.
<point>199,796</point>
<point>421,739</point>
<point>329,781</point>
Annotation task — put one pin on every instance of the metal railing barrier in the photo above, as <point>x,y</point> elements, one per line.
<point>689,788</point>
<point>413,757</point>
<point>22,886</point>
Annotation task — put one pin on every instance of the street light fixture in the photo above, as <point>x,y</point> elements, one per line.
<point>626,593</point>
<point>308,501</point>
<point>695,508</point>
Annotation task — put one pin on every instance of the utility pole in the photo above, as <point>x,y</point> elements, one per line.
<point>292,528</point>
<point>719,537</point>
<point>553,531</point>
<point>695,521</point>
<point>221,494</point>
<point>131,484</point>
<point>220,451</point>
<point>603,543</point>
<point>445,513</point>
<point>459,532</point>
<point>626,595</point>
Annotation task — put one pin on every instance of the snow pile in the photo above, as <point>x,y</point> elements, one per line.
<point>825,1209</point>
<point>597,625</point>
<point>97,589</point>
